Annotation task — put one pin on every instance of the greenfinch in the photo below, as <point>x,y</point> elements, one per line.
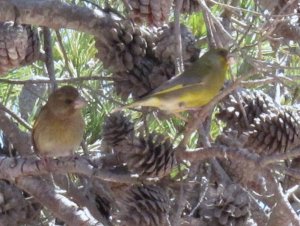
<point>191,89</point>
<point>59,127</point>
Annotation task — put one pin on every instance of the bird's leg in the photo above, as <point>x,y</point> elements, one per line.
<point>45,162</point>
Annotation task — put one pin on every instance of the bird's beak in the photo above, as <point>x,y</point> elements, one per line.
<point>79,103</point>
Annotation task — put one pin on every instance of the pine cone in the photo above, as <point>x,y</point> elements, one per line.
<point>14,208</point>
<point>226,206</point>
<point>135,82</point>
<point>117,133</point>
<point>274,132</point>
<point>154,12</point>
<point>103,205</point>
<point>254,103</point>
<point>124,47</point>
<point>19,45</point>
<point>190,6</point>
<point>153,157</point>
<point>242,172</point>
<point>33,46</point>
<point>146,205</point>
<point>147,75</point>
<point>166,41</point>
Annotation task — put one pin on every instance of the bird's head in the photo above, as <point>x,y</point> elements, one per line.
<point>65,101</point>
<point>218,58</point>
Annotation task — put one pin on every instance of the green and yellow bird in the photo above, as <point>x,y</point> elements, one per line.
<point>58,129</point>
<point>191,89</point>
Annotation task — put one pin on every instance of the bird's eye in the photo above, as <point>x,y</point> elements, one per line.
<point>68,101</point>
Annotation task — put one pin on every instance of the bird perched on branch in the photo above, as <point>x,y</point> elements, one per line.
<point>58,129</point>
<point>191,89</point>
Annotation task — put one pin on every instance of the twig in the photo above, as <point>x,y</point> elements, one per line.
<point>178,59</point>
<point>210,34</point>
<point>61,46</point>
<point>127,5</point>
<point>267,160</point>
<point>49,57</point>
<point>283,213</point>
<point>272,25</point>
<point>202,193</point>
<point>16,117</point>
<point>238,9</point>
<point>239,98</point>
<point>216,165</point>
<point>215,20</point>
<point>58,80</point>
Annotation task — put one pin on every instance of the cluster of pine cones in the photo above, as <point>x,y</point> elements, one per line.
<point>153,157</point>
<point>141,58</point>
<point>150,158</point>
<point>269,127</point>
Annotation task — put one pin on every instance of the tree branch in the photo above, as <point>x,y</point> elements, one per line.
<point>14,168</point>
<point>49,58</point>
<point>60,206</point>
<point>57,14</point>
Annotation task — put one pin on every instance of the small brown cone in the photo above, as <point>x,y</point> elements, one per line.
<point>151,157</point>
<point>145,205</point>
<point>33,46</point>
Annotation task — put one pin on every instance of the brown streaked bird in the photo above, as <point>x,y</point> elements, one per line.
<point>59,127</point>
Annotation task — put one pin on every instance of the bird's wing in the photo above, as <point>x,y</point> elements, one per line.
<point>178,82</point>
<point>36,122</point>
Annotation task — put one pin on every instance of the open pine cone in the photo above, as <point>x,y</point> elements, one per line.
<point>19,45</point>
<point>151,157</point>
<point>146,205</point>
<point>124,45</point>
<point>154,12</point>
<point>274,132</point>
<point>117,133</point>
<point>166,40</point>
<point>226,205</point>
<point>253,103</point>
